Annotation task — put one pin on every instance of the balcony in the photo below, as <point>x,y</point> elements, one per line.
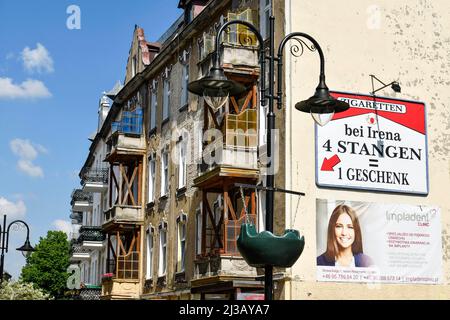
<point>78,253</point>
<point>222,265</point>
<point>126,137</point>
<point>95,179</point>
<point>124,284</point>
<point>123,215</point>
<point>77,217</point>
<point>239,144</point>
<point>81,201</point>
<point>119,289</point>
<point>89,292</point>
<point>91,237</point>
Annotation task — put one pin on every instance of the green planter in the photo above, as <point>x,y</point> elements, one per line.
<point>265,248</point>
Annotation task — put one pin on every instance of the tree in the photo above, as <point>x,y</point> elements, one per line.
<point>21,291</point>
<point>47,267</point>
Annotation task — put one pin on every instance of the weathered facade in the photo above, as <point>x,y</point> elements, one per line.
<point>402,41</point>
<point>172,210</point>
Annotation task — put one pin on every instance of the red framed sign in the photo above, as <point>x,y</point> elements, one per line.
<point>378,144</point>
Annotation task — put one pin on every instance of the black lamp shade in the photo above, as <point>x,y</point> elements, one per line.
<point>216,84</point>
<point>26,247</point>
<point>322,102</point>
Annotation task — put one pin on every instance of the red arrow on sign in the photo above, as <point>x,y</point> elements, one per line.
<point>328,164</point>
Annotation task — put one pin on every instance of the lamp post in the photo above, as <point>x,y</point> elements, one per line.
<point>4,235</point>
<point>321,105</point>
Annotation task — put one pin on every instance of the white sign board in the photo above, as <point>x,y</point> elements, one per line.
<point>379,145</point>
<point>391,243</point>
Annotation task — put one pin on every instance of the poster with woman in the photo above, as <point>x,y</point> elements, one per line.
<point>377,242</point>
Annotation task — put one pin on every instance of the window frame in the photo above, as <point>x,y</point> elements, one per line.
<point>198,230</point>
<point>151,178</point>
<point>181,243</point>
<point>162,261</point>
<point>182,163</point>
<point>150,249</point>
<point>184,98</point>
<point>165,173</point>
<point>166,99</point>
<point>153,107</point>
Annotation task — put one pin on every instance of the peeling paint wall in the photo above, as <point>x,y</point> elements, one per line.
<point>407,41</point>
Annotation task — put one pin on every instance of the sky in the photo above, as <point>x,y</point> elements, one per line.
<point>54,66</point>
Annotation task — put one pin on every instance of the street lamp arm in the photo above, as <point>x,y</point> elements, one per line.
<point>294,51</point>
<point>262,59</point>
<point>295,36</point>
<point>10,225</point>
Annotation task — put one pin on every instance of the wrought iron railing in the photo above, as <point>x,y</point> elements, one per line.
<point>88,293</point>
<point>91,234</point>
<point>80,195</point>
<point>78,248</point>
<point>99,175</point>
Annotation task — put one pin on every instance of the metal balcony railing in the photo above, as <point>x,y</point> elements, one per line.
<point>91,234</point>
<point>80,195</point>
<point>89,293</point>
<point>77,248</point>
<point>99,175</point>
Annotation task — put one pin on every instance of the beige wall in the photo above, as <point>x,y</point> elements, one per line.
<point>408,43</point>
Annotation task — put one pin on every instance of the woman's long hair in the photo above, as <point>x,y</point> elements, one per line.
<point>332,245</point>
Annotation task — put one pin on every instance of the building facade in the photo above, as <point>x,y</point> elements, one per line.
<point>397,41</point>
<point>171,211</point>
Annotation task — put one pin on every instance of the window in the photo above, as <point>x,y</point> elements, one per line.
<point>133,66</point>
<point>182,168</point>
<point>162,249</point>
<point>205,47</point>
<point>181,248</point>
<point>166,99</point>
<point>184,84</point>
<point>153,107</point>
<point>164,173</point>
<point>149,269</point>
<point>240,34</point>
<point>264,14</point>
<point>198,230</point>
<point>151,178</point>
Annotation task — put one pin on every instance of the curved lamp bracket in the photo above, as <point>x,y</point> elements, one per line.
<point>10,225</point>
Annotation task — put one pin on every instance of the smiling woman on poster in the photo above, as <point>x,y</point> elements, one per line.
<point>344,241</point>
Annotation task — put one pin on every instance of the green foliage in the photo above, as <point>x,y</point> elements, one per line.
<point>46,267</point>
<point>21,291</point>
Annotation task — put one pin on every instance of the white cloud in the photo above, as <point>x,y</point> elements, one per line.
<point>63,225</point>
<point>26,152</point>
<point>29,89</point>
<point>27,167</point>
<point>14,210</point>
<point>24,149</point>
<point>38,59</point>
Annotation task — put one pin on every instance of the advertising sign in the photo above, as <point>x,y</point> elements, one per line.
<point>375,145</point>
<point>378,243</point>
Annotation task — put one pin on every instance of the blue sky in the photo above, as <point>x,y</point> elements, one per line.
<point>51,79</point>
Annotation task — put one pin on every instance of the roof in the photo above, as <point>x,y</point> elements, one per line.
<point>114,91</point>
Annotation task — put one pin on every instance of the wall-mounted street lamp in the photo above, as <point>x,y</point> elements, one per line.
<point>395,86</point>
<point>216,88</point>
<point>26,249</point>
